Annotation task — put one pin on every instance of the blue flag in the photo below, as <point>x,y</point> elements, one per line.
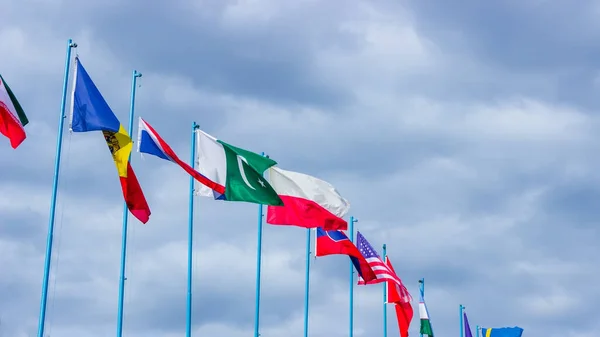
<point>468,332</point>
<point>502,332</point>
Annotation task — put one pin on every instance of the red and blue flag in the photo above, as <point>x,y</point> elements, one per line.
<point>382,271</point>
<point>150,142</point>
<point>335,242</point>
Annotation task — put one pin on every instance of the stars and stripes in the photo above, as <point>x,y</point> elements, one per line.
<point>382,272</point>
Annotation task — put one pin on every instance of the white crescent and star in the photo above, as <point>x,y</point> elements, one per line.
<point>241,159</point>
<point>242,172</point>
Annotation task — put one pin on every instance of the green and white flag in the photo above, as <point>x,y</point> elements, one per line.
<point>424,315</point>
<point>239,172</point>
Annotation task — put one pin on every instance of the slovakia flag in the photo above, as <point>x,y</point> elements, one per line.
<point>335,242</point>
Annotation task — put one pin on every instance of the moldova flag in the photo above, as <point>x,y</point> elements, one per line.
<point>335,242</point>
<point>90,112</point>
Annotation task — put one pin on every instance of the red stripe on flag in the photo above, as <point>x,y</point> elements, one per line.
<point>134,196</point>
<point>382,272</point>
<point>187,168</point>
<point>303,213</point>
<point>404,315</point>
<point>10,126</point>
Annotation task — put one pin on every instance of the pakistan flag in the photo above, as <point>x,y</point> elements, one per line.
<point>237,171</point>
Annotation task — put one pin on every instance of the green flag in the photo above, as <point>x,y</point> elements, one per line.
<point>238,170</point>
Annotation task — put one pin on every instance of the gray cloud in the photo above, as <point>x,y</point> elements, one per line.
<point>464,142</point>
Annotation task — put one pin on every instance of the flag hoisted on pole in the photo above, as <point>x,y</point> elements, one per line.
<point>467,326</point>
<point>335,242</point>
<point>382,272</point>
<point>308,201</point>
<point>426,327</point>
<point>237,173</point>
<point>502,332</point>
<point>150,142</point>
<point>188,316</point>
<point>12,116</point>
<point>401,298</point>
<point>89,113</point>
<point>59,138</point>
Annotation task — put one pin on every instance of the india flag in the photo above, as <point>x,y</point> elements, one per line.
<point>12,116</point>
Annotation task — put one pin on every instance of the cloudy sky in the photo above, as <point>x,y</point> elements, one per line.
<point>462,132</point>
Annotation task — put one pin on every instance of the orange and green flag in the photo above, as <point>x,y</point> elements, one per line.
<point>92,113</point>
<point>12,116</point>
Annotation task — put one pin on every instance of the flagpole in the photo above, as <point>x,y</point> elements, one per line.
<point>461,308</point>
<point>59,139</point>
<point>306,282</point>
<point>477,328</point>
<point>258,260</point>
<point>384,296</point>
<point>351,237</point>
<point>422,290</point>
<point>122,278</point>
<point>188,316</point>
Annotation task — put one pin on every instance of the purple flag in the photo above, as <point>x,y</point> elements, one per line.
<point>467,327</point>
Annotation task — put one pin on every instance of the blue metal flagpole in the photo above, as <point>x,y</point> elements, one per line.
<point>384,296</point>
<point>422,290</point>
<point>306,282</point>
<point>59,139</point>
<point>351,237</point>
<point>477,331</point>
<point>258,260</point>
<point>462,326</point>
<point>188,316</point>
<point>122,278</point>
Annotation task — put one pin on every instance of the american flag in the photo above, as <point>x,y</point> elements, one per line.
<point>382,271</point>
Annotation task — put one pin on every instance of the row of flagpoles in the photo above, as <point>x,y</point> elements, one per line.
<point>91,113</point>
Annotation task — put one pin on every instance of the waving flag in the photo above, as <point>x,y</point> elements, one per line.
<point>12,116</point>
<point>468,332</point>
<point>382,271</point>
<point>149,141</point>
<point>399,296</point>
<point>502,332</point>
<point>237,171</point>
<point>426,328</point>
<point>90,112</point>
<point>308,201</point>
<point>335,242</point>
<point>397,293</point>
